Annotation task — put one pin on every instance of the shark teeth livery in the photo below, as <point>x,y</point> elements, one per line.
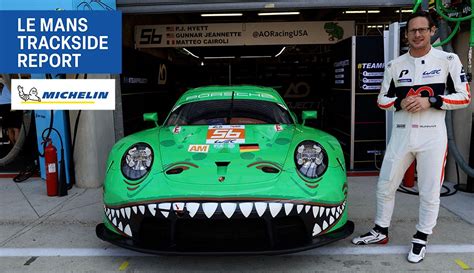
<point>124,222</point>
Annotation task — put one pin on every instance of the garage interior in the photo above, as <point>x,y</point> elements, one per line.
<point>303,74</point>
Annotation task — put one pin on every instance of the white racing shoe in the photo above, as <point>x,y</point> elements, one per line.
<point>417,251</point>
<point>372,237</point>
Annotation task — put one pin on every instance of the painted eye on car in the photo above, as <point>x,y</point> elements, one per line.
<point>311,159</point>
<point>137,161</point>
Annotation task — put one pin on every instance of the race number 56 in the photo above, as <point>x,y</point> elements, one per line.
<point>148,36</point>
<point>225,133</point>
<point>221,134</point>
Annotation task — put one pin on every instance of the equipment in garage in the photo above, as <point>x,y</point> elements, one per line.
<point>146,83</point>
<point>352,113</point>
<point>54,124</point>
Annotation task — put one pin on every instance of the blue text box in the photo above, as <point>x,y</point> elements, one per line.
<point>61,42</point>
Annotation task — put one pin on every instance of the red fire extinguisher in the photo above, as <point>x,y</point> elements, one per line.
<point>51,162</point>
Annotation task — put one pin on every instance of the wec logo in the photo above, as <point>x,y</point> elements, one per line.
<point>431,73</point>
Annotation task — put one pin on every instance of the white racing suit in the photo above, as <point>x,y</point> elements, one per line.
<point>421,135</point>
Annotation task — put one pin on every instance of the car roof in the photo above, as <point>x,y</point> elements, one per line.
<point>218,92</point>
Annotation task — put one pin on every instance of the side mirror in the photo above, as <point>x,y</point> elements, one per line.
<point>151,117</point>
<point>308,115</point>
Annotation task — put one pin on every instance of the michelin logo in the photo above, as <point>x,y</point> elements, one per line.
<point>75,95</point>
<point>32,94</point>
<point>64,94</point>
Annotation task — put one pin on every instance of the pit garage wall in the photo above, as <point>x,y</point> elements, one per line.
<point>353,116</point>
<point>462,119</point>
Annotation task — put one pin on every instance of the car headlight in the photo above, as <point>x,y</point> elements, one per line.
<point>137,161</point>
<point>311,159</point>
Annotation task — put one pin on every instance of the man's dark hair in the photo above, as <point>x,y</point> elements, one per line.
<point>424,14</point>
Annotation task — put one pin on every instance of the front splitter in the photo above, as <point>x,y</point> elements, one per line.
<point>103,233</point>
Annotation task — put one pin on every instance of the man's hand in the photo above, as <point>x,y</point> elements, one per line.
<point>415,104</point>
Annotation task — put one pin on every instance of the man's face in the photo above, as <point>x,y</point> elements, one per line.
<point>419,33</point>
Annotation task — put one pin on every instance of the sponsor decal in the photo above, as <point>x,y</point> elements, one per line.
<point>198,148</point>
<point>225,134</point>
<point>401,126</point>
<point>428,126</point>
<point>414,126</point>
<point>278,128</point>
<point>249,148</point>
<point>371,65</point>
<point>450,57</point>
<point>218,146</point>
<point>418,91</point>
<point>341,63</point>
<point>176,130</point>
<point>365,80</point>
<point>372,74</point>
<point>131,80</point>
<point>61,94</point>
<point>229,94</point>
<point>404,80</point>
<point>432,73</point>
<point>403,73</point>
<point>371,87</point>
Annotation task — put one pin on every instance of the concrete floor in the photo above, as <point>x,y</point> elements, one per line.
<point>57,234</point>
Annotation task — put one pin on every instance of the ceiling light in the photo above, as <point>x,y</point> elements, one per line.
<point>190,53</point>
<point>281,51</point>
<point>220,14</point>
<point>360,11</point>
<point>354,11</point>
<point>218,57</point>
<point>404,11</point>
<point>278,13</point>
<point>375,26</point>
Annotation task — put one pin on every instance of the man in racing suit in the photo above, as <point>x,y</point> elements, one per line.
<point>419,86</point>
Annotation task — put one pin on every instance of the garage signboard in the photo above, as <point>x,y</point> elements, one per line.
<point>237,34</point>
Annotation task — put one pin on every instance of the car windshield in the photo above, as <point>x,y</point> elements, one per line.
<point>220,112</point>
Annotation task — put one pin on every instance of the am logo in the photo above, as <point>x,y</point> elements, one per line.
<point>198,148</point>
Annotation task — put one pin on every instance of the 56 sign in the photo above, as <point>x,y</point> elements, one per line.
<point>148,36</point>
<point>225,134</point>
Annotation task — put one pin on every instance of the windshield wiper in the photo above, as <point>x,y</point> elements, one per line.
<point>231,108</point>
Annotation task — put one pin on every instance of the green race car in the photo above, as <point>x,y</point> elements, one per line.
<point>231,171</point>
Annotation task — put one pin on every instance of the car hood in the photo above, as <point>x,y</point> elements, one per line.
<point>234,154</point>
